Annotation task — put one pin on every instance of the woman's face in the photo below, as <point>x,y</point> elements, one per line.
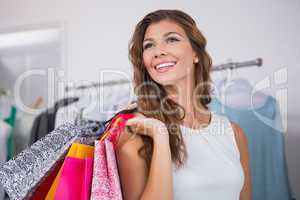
<point>167,53</point>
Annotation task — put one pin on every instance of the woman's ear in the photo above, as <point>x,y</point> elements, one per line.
<point>196,59</point>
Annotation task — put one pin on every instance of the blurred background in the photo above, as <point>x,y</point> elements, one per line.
<point>69,59</point>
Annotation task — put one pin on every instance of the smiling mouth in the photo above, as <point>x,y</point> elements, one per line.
<point>164,66</point>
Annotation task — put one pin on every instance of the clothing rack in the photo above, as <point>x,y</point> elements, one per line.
<point>230,65</point>
<point>108,83</point>
<point>234,65</point>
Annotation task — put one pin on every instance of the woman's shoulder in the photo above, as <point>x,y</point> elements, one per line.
<point>241,141</point>
<point>220,118</point>
<point>239,134</point>
<point>242,144</point>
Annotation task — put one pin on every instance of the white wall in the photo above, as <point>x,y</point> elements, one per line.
<point>97,36</point>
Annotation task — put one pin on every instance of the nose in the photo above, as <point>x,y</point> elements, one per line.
<point>160,51</point>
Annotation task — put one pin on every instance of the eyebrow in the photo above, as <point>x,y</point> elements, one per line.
<point>165,35</point>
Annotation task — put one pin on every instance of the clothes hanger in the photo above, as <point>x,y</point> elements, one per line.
<point>108,105</point>
<point>238,92</point>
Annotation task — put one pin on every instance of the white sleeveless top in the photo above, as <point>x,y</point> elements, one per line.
<point>213,170</point>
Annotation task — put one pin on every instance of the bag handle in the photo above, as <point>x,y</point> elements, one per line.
<point>113,130</point>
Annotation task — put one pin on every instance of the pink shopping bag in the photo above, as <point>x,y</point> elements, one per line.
<point>75,179</point>
<point>106,182</point>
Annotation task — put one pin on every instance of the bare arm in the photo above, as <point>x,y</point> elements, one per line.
<point>246,193</point>
<point>139,182</point>
<point>159,184</point>
<point>132,168</point>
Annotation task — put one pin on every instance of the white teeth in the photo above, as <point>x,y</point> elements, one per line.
<point>168,64</point>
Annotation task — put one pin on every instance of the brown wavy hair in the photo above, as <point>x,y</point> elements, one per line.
<point>152,100</point>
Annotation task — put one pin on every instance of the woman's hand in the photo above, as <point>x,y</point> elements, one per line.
<point>129,106</point>
<point>151,127</point>
<point>139,180</point>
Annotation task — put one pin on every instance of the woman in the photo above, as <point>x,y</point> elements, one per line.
<point>175,148</point>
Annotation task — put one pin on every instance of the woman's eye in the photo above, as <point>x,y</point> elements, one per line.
<point>146,46</point>
<point>172,39</point>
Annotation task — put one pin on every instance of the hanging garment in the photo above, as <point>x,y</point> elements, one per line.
<point>11,120</point>
<point>42,125</point>
<point>239,94</point>
<point>5,130</point>
<point>94,105</point>
<point>5,104</point>
<point>109,102</point>
<point>21,135</point>
<point>66,114</point>
<point>262,127</point>
<point>45,122</point>
<point>212,169</point>
<point>72,113</point>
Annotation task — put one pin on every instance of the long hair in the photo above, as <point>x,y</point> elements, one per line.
<point>152,98</point>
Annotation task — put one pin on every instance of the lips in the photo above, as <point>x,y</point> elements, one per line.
<point>163,66</point>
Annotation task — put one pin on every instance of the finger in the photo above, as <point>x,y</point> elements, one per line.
<point>129,130</point>
<point>122,107</point>
<point>136,125</point>
<point>131,121</point>
<point>132,105</point>
<point>128,106</point>
<point>137,118</point>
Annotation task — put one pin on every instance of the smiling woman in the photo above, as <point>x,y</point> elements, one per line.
<point>170,47</point>
<point>181,150</point>
<point>167,50</point>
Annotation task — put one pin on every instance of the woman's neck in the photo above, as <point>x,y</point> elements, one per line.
<point>195,113</point>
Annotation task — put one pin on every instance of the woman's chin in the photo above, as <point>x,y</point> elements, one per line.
<point>167,82</point>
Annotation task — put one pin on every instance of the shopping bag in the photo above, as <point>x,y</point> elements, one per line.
<point>106,183</point>
<point>23,176</point>
<point>76,151</point>
<point>116,126</point>
<point>76,174</point>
